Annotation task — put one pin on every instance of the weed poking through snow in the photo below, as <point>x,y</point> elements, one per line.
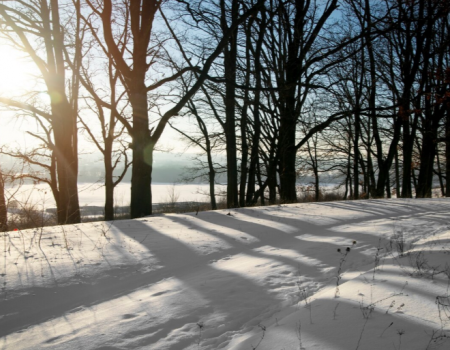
<point>390,306</point>
<point>335,312</point>
<point>397,241</point>
<point>299,336</point>
<point>306,299</point>
<point>200,326</point>
<point>400,332</point>
<point>443,304</point>
<point>437,338</point>
<point>418,262</point>
<point>366,310</point>
<point>263,328</point>
<point>377,259</point>
<point>341,263</point>
<point>361,334</point>
<point>384,330</point>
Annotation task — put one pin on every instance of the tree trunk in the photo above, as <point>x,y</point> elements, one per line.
<point>272,180</point>
<point>447,154</point>
<point>288,126</point>
<point>407,158</point>
<point>3,209</point>
<point>109,182</point>
<point>388,187</point>
<point>244,154</point>
<point>427,155</point>
<point>244,127</point>
<point>371,177</point>
<point>64,129</point>
<point>397,175</point>
<point>230,56</point>
<point>254,156</point>
<point>439,172</point>
<point>212,180</point>
<point>141,196</point>
<point>356,157</point>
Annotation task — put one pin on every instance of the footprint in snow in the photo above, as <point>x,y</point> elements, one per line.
<point>160,293</point>
<point>128,316</point>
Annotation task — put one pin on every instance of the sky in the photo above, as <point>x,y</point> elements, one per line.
<point>18,75</point>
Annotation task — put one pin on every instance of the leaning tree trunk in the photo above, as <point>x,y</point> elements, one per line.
<point>211,170</point>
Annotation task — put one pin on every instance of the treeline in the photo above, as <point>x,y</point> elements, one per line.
<point>281,87</point>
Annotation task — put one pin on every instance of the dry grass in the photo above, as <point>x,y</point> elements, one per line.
<point>30,216</point>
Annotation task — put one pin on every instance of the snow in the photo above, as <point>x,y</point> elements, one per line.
<point>266,278</point>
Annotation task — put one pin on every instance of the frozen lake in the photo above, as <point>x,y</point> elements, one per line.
<point>94,193</point>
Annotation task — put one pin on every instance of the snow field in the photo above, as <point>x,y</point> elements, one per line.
<point>255,278</point>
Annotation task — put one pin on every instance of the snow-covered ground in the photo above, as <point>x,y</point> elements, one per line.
<point>268,278</point>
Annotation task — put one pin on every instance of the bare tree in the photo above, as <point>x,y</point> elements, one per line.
<point>433,105</point>
<point>106,101</point>
<point>35,27</point>
<point>140,16</point>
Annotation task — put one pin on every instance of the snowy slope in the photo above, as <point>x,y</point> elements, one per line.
<point>257,278</point>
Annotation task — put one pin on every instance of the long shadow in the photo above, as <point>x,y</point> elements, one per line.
<point>182,262</point>
<point>271,235</point>
<point>41,304</point>
<point>374,207</point>
<point>306,227</point>
<point>325,228</point>
<point>349,330</point>
<point>178,260</point>
<point>362,237</point>
<point>393,207</point>
<point>306,270</point>
<point>408,290</point>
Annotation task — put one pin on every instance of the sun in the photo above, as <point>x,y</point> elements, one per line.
<point>18,75</point>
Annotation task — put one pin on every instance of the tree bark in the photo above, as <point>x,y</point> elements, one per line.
<point>230,57</point>
<point>142,149</point>
<point>3,208</point>
<point>447,154</point>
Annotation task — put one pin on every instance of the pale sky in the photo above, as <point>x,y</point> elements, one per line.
<point>17,75</point>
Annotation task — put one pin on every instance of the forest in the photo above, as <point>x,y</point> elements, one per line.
<point>277,89</point>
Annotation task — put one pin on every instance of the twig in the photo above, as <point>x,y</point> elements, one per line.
<point>361,334</point>
<point>381,335</point>
<point>262,337</point>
